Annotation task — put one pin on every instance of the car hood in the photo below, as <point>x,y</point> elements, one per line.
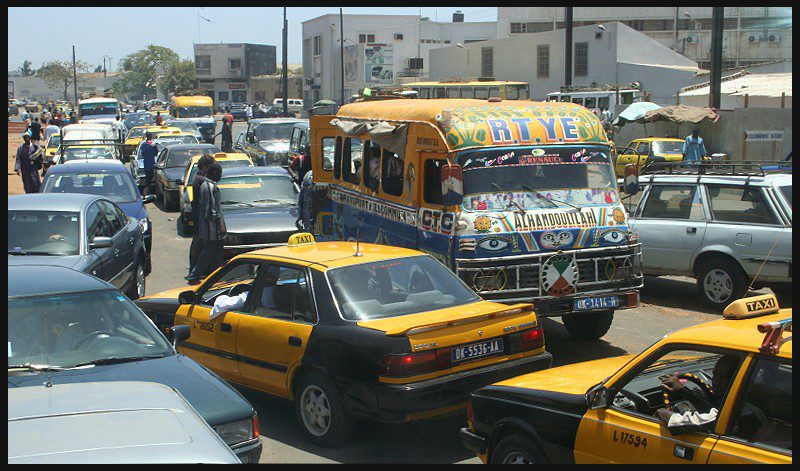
<point>214,399</point>
<point>68,261</point>
<point>569,379</point>
<point>260,218</point>
<point>175,173</point>
<point>133,209</point>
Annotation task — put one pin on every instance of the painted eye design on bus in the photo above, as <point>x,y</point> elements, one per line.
<point>612,236</point>
<point>494,243</point>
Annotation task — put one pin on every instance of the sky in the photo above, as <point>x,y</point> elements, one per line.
<point>118,31</point>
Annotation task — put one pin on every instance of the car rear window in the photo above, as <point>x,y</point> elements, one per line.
<point>787,194</point>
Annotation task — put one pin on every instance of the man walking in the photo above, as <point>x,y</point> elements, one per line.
<point>36,130</point>
<point>210,226</point>
<point>249,112</point>
<point>149,160</point>
<point>28,163</point>
<point>159,119</point>
<point>694,149</point>
<point>197,242</point>
<point>51,129</point>
<point>227,136</point>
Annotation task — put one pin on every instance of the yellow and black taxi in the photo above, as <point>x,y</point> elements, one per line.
<point>716,393</point>
<point>349,330</point>
<point>647,150</point>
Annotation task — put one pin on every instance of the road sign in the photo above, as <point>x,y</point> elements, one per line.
<point>763,136</point>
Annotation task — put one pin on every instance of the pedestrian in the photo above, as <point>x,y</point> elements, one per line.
<point>197,242</point>
<point>227,136</point>
<point>210,226</point>
<point>28,163</point>
<point>159,119</point>
<point>36,130</point>
<point>148,153</point>
<point>305,200</point>
<point>694,149</point>
<point>228,115</point>
<point>51,129</point>
<point>248,112</point>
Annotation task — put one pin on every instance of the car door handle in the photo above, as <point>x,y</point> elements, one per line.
<point>683,452</point>
<point>225,327</point>
<point>691,230</point>
<point>295,341</point>
<point>116,252</point>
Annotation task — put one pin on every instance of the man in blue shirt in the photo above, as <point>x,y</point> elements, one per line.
<point>148,153</point>
<point>693,147</point>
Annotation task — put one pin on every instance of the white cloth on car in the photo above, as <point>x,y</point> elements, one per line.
<point>225,303</point>
<point>692,418</point>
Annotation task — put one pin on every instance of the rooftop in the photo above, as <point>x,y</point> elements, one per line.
<point>768,85</point>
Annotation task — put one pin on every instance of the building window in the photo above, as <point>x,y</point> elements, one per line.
<point>223,96</point>
<point>234,64</point>
<point>543,60</point>
<point>532,27</point>
<point>317,45</point>
<point>202,64</point>
<point>487,62</point>
<point>581,59</point>
<point>366,38</point>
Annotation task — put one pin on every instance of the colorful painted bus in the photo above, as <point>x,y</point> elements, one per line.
<point>518,198</point>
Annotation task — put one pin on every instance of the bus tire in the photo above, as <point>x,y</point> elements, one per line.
<point>588,325</point>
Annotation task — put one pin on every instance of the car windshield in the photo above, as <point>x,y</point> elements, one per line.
<point>537,177</point>
<point>118,187</point>
<point>92,153</point>
<point>184,126</point>
<point>133,120</point>
<point>273,132</point>
<point>67,330</point>
<point>179,139</point>
<point>137,132</point>
<point>43,232</point>
<point>95,109</point>
<point>257,189</point>
<point>396,288</point>
<point>193,111</point>
<point>54,141</point>
<point>222,163</point>
<point>180,157</point>
<point>667,147</point>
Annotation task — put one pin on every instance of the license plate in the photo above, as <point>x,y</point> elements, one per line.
<point>600,302</point>
<point>476,350</point>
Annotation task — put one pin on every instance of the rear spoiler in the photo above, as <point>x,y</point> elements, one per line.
<point>501,312</point>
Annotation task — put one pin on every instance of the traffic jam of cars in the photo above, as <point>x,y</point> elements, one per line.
<point>393,261</point>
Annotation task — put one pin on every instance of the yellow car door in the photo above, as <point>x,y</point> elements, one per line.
<point>274,335</point>
<point>625,156</point>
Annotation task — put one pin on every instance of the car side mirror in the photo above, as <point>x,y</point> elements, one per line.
<point>631,185</point>
<point>148,199</point>
<point>452,184</point>
<point>101,243</point>
<point>186,297</point>
<point>597,397</point>
<point>179,182</point>
<point>180,333</point>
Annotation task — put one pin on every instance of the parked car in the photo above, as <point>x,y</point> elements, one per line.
<point>295,105</point>
<point>260,208</point>
<point>68,423</point>
<point>642,152</point>
<point>266,141</point>
<point>238,111</point>
<point>109,180</point>
<point>609,411</point>
<point>68,327</point>
<point>299,141</point>
<point>349,330</point>
<point>718,223</point>
<point>169,170</point>
<point>88,233</point>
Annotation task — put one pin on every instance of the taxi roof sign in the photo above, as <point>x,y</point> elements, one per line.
<point>753,306</point>
<point>301,238</point>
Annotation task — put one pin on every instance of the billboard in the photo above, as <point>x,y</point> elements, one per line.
<point>378,64</point>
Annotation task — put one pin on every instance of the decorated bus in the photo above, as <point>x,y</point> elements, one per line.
<point>518,198</point>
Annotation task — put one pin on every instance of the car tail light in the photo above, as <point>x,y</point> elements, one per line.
<point>532,339</point>
<point>409,364</point>
<point>470,412</point>
<point>255,426</point>
<point>633,298</point>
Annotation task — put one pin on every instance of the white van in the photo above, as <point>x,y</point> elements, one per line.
<point>295,104</point>
<point>86,131</point>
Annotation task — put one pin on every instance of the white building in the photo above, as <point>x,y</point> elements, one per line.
<point>614,55</point>
<point>751,34</point>
<point>225,70</point>
<point>378,50</point>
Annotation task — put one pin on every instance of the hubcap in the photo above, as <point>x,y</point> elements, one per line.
<point>718,285</point>
<point>517,457</point>
<point>140,280</point>
<point>315,410</point>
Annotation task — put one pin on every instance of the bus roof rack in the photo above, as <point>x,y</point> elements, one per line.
<point>603,87</point>
<point>714,167</point>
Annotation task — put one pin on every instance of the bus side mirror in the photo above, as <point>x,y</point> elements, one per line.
<point>631,179</point>
<point>452,184</point>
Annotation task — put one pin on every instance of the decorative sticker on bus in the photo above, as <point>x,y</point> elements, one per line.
<point>380,208</point>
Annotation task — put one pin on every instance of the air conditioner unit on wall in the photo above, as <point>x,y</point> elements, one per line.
<point>774,37</point>
<point>692,39</point>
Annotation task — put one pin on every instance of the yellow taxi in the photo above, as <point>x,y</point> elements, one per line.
<point>348,330</point>
<point>51,146</point>
<point>138,133</point>
<point>716,393</point>
<point>644,151</point>
<point>226,160</point>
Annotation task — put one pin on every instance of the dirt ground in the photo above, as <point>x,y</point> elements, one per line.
<point>14,181</point>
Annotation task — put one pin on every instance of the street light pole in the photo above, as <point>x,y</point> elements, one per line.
<point>74,77</point>
<point>716,56</point>
<point>285,63</point>
<point>568,46</point>
<point>341,47</point>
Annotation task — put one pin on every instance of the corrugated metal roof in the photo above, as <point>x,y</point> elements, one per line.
<point>769,85</point>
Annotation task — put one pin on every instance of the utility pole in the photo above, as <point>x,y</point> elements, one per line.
<point>285,65</point>
<point>74,77</point>
<point>675,30</point>
<point>341,48</point>
<point>568,46</point>
<point>716,57</point>
<point>105,74</point>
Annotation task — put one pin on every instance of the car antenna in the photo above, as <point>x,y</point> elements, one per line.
<point>49,382</point>
<point>765,259</point>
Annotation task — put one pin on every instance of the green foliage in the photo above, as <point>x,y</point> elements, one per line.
<point>26,70</point>
<point>145,69</point>
<point>180,76</point>
<point>57,74</point>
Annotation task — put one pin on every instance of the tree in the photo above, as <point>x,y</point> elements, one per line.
<point>180,76</point>
<point>145,69</point>
<point>59,73</point>
<point>26,69</point>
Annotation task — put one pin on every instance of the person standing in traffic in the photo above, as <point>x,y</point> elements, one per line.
<point>305,200</point>
<point>227,135</point>
<point>197,242</point>
<point>159,119</point>
<point>248,112</point>
<point>51,129</point>
<point>28,164</point>
<point>694,149</point>
<point>148,153</point>
<point>210,226</point>
<point>36,130</point>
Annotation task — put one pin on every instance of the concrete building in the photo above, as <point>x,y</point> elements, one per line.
<point>751,34</point>
<point>36,88</point>
<point>225,69</point>
<point>745,90</point>
<point>379,50</point>
<point>614,55</point>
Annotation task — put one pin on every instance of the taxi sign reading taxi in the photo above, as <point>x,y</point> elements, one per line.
<point>302,238</point>
<point>763,136</point>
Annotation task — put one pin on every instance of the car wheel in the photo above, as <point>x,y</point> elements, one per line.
<point>719,282</point>
<point>588,325</point>
<point>183,227</point>
<point>137,288</point>
<point>320,411</point>
<point>517,449</point>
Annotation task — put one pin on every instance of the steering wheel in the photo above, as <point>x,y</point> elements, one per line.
<point>239,289</point>
<point>694,379</point>
<point>641,402</point>
<point>92,335</point>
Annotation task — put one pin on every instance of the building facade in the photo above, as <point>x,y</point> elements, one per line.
<point>225,70</point>
<point>751,34</point>
<point>36,88</point>
<point>378,50</point>
<point>616,54</point>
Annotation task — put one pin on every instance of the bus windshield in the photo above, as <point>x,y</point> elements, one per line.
<point>500,179</point>
<point>96,109</point>
<point>193,112</point>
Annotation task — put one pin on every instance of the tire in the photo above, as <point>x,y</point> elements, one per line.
<point>319,430</point>
<point>589,325</point>
<point>138,283</point>
<point>720,282</point>
<point>183,227</point>
<point>517,449</point>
